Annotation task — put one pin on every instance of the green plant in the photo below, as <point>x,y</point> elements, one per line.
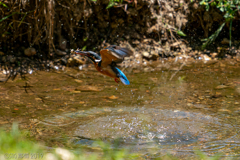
<point>229,7</point>
<point>113,3</point>
<point>13,144</point>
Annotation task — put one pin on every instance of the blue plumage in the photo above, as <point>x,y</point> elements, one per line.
<point>122,76</point>
<point>106,63</point>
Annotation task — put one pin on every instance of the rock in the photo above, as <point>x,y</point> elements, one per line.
<point>30,51</point>
<point>206,58</point>
<point>127,36</point>
<point>60,53</point>
<point>147,69</point>
<point>221,87</point>
<point>145,54</point>
<point>154,54</point>
<point>3,77</point>
<point>136,42</point>
<point>11,58</point>
<point>1,53</point>
<point>213,55</point>
<point>238,56</point>
<point>4,59</point>
<point>113,97</point>
<point>78,80</point>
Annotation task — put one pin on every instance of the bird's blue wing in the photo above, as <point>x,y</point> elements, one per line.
<point>122,76</point>
<point>119,51</point>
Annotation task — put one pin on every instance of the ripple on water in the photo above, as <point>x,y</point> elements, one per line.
<point>144,129</point>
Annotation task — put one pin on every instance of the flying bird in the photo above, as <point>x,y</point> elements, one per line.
<point>105,63</point>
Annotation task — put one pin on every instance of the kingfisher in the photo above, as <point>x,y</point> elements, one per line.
<point>106,62</point>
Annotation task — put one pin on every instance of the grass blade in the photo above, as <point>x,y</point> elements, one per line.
<point>213,36</point>
<point>4,5</point>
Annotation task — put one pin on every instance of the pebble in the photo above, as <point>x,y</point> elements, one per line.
<point>60,53</point>
<point>221,87</point>
<point>225,41</point>
<point>30,51</point>
<point>146,54</point>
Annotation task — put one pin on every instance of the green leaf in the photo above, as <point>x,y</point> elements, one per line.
<point>85,39</point>
<point>111,4</point>
<point>7,17</point>
<point>4,5</point>
<point>221,9</point>
<point>207,7</point>
<point>84,48</point>
<point>22,20</point>
<point>181,33</point>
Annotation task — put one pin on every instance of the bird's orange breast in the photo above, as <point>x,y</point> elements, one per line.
<point>106,71</point>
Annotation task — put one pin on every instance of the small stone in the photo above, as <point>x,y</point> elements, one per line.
<point>146,54</point>
<point>78,80</point>
<point>113,97</point>
<point>147,69</point>
<point>225,41</point>
<point>127,36</point>
<point>136,42</point>
<point>222,65</point>
<point>189,48</point>
<point>30,51</point>
<point>12,59</point>
<point>206,58</point>
<point>120,110</point>
<point>76,92</point>
<point>60,53</point>
<point>201,98</point>
<point>213,55</point>
<point>221,87</point>
<point>38,99</point>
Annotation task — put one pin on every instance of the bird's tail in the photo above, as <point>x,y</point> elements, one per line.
<point>122,77</point>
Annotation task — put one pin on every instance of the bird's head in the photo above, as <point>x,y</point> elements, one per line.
<point>90,54</point>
